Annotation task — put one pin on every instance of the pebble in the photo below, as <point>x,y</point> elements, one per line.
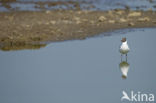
<point>53,22</point>
<point>39,23</point>
<point>76,18</point>
<point>110,13</point>
<point>111,21</point>
<point>102,18</point>
<point>66,21</point>
<point>131,24</point>
<point>120,12</point>
<point>92,22</point>
<point>47,23</point>
<point>85,20</point>
<point>27,26</point>
<point>144,19</point>
<point>78,22</point>
<point>79,12</point>
<point>134,14</point>
<point>123,20</point>
<point>10,37</point>
<point>47,11</point>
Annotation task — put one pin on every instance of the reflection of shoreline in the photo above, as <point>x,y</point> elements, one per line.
<point>20,46</point>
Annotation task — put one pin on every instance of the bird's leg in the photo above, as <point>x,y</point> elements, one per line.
<point>126,57</point>
<point>121,57</point>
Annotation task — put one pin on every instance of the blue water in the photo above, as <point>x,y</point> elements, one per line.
<point>79,71</point>
<point>31,5</point>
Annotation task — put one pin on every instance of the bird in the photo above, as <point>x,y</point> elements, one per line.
<point>125,96</point>
<point>124,48</point>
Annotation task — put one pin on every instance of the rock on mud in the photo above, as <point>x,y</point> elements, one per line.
<point>134,14</point>
<point>102,18</point>
<point>123,20</point>
<point>111,21</point>
<point>131,24</point>
<point>144,19</point>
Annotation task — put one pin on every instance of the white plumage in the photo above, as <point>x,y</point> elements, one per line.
<point>124,48</point>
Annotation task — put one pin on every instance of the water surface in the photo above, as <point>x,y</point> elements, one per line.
<point>38,5</point>
<point>79,71</point>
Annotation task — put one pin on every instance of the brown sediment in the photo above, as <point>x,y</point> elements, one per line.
<point>59,25</point>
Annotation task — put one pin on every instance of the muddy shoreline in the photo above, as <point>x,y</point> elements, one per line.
<point>26,27</point>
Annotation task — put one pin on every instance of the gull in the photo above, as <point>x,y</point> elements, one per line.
<point>124,48</point>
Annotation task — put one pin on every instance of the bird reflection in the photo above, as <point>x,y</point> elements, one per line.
<point>124,66</point>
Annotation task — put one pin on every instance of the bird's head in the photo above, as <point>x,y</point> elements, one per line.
<point>123,40</point>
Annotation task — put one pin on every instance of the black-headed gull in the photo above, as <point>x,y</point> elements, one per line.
<point>124,48</point>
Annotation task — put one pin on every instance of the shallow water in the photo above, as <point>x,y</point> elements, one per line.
<point>80,71</point>
<point>32,5</point>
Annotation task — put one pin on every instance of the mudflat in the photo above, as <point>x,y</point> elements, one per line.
<point>27,27</point>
